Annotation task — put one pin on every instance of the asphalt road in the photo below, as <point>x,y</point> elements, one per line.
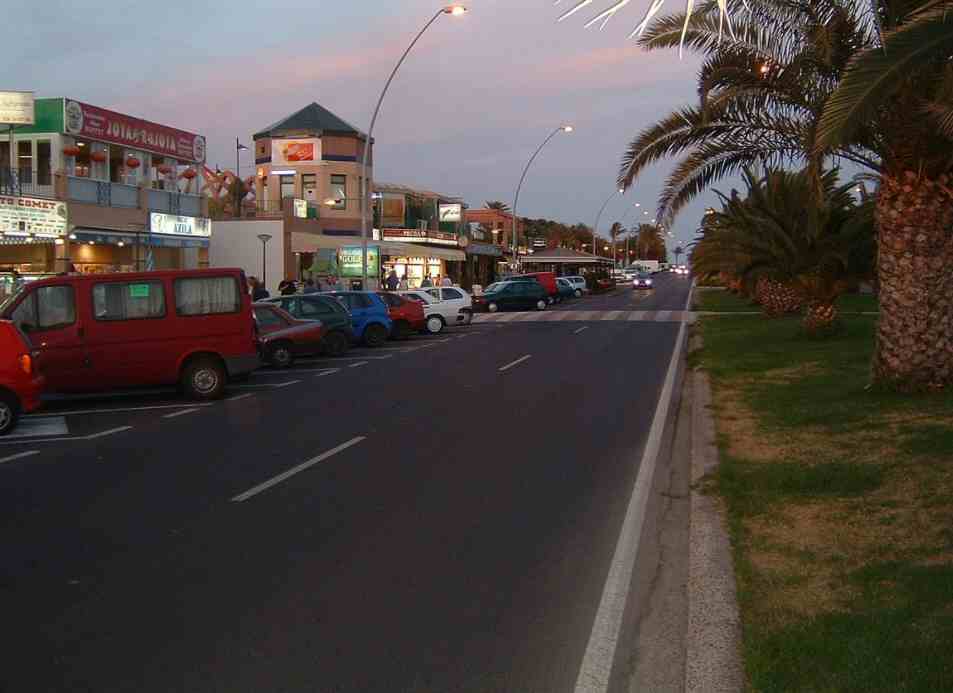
<point>448,524</point>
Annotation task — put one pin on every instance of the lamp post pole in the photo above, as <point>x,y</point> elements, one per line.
<point>595,227</point>
<point>455,10</point>
<point>264,238</point>
<point>239,147</point>
<point>516,198</point>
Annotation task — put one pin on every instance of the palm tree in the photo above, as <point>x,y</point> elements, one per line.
<point>762,89</point>
<point>904,87</point>
<point>496,204</point>
<point>794,247</point>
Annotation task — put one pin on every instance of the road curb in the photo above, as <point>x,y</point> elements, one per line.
<point>713,640</point>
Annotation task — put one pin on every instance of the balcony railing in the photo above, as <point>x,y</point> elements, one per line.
<point>25,181</point>
<point>102,192</point>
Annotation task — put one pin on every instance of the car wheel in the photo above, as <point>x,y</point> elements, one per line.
<point>9,412</point>
<point>467,317</point>
<point>492,307</point>
<point>280,355</point>
<point>540,304</point>
<point>204,379</point>
<point>435,324</point>
<point>375,335</point>
<point>335,343</point>
<point>578,293</point>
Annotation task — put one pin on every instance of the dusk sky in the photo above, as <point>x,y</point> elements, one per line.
<point>467,110</point>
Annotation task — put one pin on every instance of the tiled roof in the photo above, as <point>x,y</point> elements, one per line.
<point>313,119</point>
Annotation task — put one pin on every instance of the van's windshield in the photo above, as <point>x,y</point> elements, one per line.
<point>10,300</point>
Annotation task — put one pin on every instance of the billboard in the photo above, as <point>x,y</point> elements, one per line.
<point>25,215</point>
<point>175,225</point>
<point>16,108</point>
<point>83,120</point>
<point>299,151</point>
<point>451,212</point>
<point>350,261</point>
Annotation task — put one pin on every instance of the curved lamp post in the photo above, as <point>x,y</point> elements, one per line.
<point>453,10</point>
<point>605,204</point>
<point>516,197</point>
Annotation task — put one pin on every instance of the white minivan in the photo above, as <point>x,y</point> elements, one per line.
<point>579,284</point>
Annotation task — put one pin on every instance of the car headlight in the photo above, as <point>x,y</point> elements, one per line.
<point>649,282</point>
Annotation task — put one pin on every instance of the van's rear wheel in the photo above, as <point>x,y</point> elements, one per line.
<point>204,379</point>
<point>541,304</point>
<point>9,412</point>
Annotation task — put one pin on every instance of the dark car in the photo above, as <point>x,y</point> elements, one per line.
<point>372,324</point>
<point>643,280</point>
<point>282,337</point>
<point>20,385</point>
<point>519,295</point>
<point>332,314</point>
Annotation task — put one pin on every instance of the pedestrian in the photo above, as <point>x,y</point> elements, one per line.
<point>392,281</point>
<point>404,284</point>
<point>426,283</point>
<point>287,287</point>
<point>447,281</point>
<point>259,292</point>
<point>309,287</point>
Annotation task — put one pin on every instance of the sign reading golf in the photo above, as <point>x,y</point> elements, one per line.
<point>350,261</point>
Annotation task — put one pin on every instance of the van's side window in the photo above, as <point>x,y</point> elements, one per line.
<point>46,308</point>
<point>128,300</point>
<point>207,296</point>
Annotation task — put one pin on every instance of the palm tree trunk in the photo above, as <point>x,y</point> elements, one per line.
<point>914,347</point>
<point>819,317</point>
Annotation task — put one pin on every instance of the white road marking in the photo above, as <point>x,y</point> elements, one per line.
<point>612,315</point>
<point>264,486</point>
<point>596,668</point>
<point>112,411</point>
<point>637,315</point>
<point>350,358</point>
<point>109,432</point>
<point>246,386</point>
<point>359,363</point>
<point>329,371</point>
<point>238,397</point>
<point>290,382</point>
<point>581,329</point>
<point>289,372</point>
<point>37,428</point>
<point>19,456</point>
<point>663,316</point>
<point>516,362</point>
<point>181,413</point>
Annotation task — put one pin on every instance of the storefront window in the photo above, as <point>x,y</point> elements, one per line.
<point>339,191</point>
<point>286,186</point>
<point>81,163</point>
<point>99,160</point>
<point>25,160</point>
<point>309,184</point>
<point>44,164</point>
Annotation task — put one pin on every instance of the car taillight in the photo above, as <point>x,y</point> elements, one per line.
<point>26,363</point>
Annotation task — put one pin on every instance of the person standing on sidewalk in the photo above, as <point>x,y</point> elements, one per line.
<point>446,281</point>
<point>392,281</point>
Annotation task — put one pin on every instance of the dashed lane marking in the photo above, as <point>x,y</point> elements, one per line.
<point>581,329</point>
<point>183,412</point>
<point>329,371</point>
<point>19,456</point>
<point>238,397</point>
<point>359,363</point>
<point>116,410</point>
<point>516,362</point>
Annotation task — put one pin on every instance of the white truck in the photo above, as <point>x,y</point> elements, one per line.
<point>647,265</point>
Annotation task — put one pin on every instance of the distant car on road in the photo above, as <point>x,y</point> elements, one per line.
<point>330,311</point>
<point>372,324</point>
<point>518,295</point>
<point>643,280</point>
<point>20,384</point>
<point>282,337</point>
<point>407,316</point>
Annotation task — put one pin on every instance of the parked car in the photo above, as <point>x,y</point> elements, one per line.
<point>619,276</point>
<point>579,285</point>
<point>372,324</point>
<point>193,328</point>
<point>456,309</point>
<point>406,315</point>
<point>518,295</point>
<point>643,280</point>
<point>282,337</point>
<point>20,383</point>
<point>566,289</point>
<point>546,279</point>
<point>339,332</point>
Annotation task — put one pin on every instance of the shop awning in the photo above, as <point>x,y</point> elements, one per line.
<point>564,256</point>
<point>484,249</point>
<point>312,242</point>
<point>110,237</point>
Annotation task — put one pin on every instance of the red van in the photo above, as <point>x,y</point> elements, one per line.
<point>193,328</point>
<point>20,385</point>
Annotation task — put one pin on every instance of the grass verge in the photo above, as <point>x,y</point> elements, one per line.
<point>723,301</point>
<point>840,507</point>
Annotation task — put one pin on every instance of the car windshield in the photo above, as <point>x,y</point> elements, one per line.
<point>644,275</point>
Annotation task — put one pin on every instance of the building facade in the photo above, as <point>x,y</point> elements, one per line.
<point>93,190</point>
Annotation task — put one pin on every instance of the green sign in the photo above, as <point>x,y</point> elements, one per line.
<point>350,261</point>
<point>138,291</point>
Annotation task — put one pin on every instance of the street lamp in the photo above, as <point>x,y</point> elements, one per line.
<point>595,227</point>
<point>455,10</point>
<point>516,198</point>
<point>239,148</point>
<point>264,238</point>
